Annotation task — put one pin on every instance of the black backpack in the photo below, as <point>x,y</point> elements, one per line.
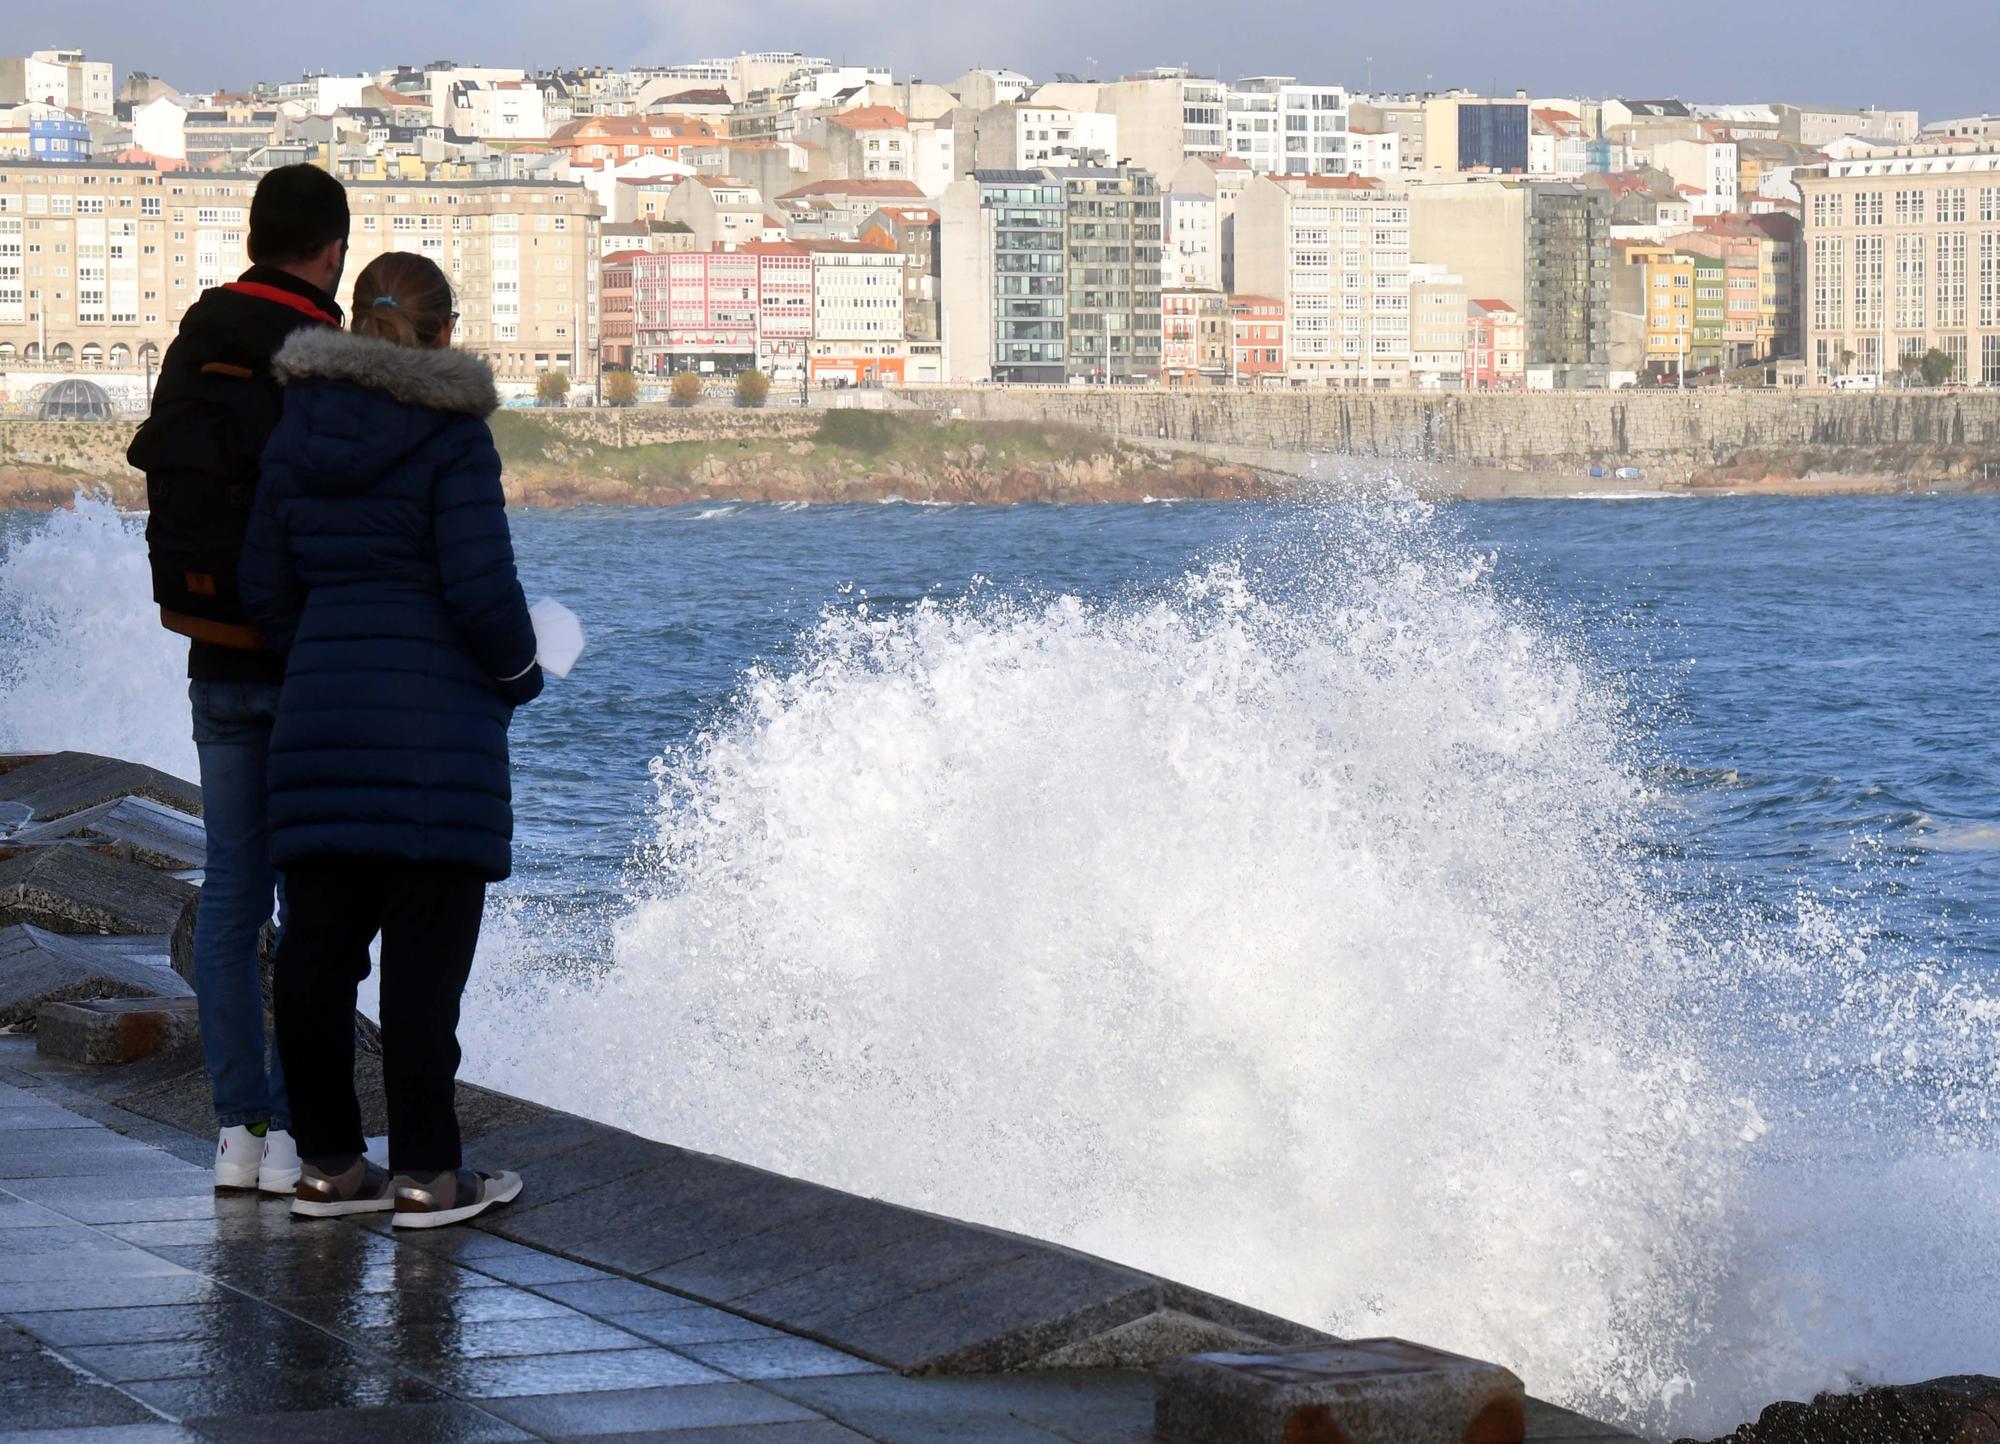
<point>200,450</point>
<point>216,406</point>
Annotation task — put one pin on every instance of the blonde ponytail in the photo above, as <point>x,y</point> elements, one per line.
<point>402,298</point>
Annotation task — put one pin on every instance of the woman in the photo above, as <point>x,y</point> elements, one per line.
<point>378,561</point>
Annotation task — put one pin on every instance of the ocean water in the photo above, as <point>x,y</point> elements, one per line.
<point>1564,931</point>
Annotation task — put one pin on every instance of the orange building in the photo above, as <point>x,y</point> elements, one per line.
<point>1256,340</point>
<point>601,140</point>
<point>1496,346</point>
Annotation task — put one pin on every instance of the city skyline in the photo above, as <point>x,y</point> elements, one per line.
<point>1844,53</point>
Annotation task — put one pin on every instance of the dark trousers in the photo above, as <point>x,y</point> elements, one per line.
<point>428,918</point>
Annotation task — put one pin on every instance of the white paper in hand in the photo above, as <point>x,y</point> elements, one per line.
<point>558,636</point>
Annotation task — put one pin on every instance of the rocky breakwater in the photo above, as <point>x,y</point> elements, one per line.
<point>664,458</point>
<point>1712,437</point>
<point>1962,1409</point>
<point>98,867</point>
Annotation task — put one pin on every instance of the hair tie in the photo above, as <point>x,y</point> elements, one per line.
<point>389,301</point>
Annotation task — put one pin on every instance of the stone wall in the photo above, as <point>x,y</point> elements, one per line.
<point>1668,431</point>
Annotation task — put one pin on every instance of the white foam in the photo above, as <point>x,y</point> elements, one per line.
<point>85,663</point>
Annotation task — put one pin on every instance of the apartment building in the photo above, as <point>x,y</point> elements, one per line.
<point>1655,283</point>
<point>1282,127</point>
<point>1471,134</point>
<point>1194,337</point>
<point>1377,154</point>
<point>1438,308</point>
<point>1707,171</point>
<point>1543,247</point>
<point>914,231</point>
<point>1191,222</point>
<point>1496,346</point>
<point>857,313</point>
<point>1001,274</point>
<point>66,79</point>
<point>1112,246</point>
<point>99,261</point>
<point>1165,116</point>
<point>1759,254</point>
<point>1256,340</point>
<point>1335,250</point>
<point>522,255</point>
<point>615,324</point>
<point>1034,136</point>
<point>1399,115</point>
<point>1902,255</point>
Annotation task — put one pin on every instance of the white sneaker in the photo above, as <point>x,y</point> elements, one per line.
<point>239,1157</point>
<point>279,1171</point>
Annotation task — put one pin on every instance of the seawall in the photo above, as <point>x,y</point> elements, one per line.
<point>1696,438</point>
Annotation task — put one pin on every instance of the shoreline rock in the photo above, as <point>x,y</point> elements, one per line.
<point>1957,1409</point>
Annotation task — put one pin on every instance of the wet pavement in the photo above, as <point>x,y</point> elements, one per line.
<point>136,1305</point>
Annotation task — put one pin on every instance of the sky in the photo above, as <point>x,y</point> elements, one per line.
<point>1937,58</point>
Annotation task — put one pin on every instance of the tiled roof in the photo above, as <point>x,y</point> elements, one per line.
<point>871,117</point>
<point>858,188</point>
<point>1486,304</point>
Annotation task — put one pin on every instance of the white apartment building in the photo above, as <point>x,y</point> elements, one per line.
<point>159,127</point>
<point>62,78</point>
<point>1191,253</point>
<point>1336,249</point>
<point>440,80</point>
<point>1048,135</point>
<point>502,110</point>
<point>1283,128</point>
<point>1902,255</point>
<point>1707,168</point>
<point>1376,154</point>
<point>1437,328</point>
<point>857,330</point>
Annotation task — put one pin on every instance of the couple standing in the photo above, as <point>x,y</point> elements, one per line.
<point>328,530</point>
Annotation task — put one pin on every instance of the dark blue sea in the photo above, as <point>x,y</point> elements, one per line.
<point>1568,931</point>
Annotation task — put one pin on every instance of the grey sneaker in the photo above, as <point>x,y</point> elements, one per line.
<point>434,1200</point>
<point>361,1187</point>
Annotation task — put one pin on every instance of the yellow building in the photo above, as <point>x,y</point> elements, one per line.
<point>1656,284</point>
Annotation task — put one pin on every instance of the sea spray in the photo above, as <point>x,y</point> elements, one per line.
<point>84,663</point>
<point>1283,931</point>
<point>1320,927</point>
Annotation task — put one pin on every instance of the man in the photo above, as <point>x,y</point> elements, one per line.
<point>215,406</point>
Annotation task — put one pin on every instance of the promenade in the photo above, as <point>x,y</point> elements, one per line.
<point>636,1290</point>
<point>140,1308</point>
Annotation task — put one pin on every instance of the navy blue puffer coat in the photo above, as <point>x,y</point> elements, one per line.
<point>378,561</point>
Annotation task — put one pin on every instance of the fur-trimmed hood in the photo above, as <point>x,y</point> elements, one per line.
<point>437,380</point>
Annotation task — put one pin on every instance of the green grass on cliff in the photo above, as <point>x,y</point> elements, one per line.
<point>867,441</point>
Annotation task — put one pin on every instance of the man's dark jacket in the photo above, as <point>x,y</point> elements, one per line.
<point>238,326</point>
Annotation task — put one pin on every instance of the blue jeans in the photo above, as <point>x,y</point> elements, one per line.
<point>232,736</point>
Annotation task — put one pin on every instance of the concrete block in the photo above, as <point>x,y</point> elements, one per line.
<point>71,889</point>
<point>65,782</point>
<point>116,1030</point>
<point>38,967</point>
<point>135,828</point>
<point>1366,1391</point>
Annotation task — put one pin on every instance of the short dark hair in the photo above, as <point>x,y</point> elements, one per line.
<point>298,211</point>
